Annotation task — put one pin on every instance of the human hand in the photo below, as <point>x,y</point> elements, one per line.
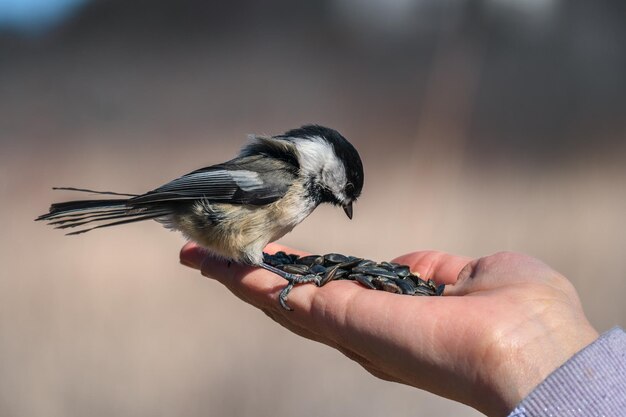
<point>505,322</point>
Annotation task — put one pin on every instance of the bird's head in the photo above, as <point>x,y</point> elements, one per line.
<point>331,165</point>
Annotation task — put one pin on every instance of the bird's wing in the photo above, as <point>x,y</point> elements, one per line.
<point>241,181</point>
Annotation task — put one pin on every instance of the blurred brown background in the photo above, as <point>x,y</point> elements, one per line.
<point>483,125</point>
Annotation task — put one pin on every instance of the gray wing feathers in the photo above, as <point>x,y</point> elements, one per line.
<point>226,183</point>
<point>218,183</point>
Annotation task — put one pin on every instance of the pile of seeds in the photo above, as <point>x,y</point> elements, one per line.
<point>384,276</point>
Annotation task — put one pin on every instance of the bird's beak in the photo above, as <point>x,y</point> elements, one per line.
<point>348,209</point>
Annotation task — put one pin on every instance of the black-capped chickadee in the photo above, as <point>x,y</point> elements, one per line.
<point>236,208</point>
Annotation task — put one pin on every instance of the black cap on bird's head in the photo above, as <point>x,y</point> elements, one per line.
<point>340,172</point>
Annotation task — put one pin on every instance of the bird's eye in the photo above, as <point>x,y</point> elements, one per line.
<point>349,188</point>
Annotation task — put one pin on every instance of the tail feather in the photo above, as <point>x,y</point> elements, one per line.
<point>77,213</point>
<point>85,190</point>
<point>79,207</point>
<point>136,219</point>
<point>71,217</point>
<point>90,219</point>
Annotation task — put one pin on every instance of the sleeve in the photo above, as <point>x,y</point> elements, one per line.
<point>591,383</point>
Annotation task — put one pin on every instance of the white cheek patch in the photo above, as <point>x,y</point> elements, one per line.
<point>317,156</point>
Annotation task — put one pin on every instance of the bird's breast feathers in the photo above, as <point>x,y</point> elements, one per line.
<point>239,231</point>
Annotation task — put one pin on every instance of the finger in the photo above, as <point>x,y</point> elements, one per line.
<point>192,255</point>
<point>315,308</point>
<point>283,319</point>
<point>277,247</point>
<point>441,267</point>
<point>464,280</point>
<point>344,314</point>
<point>502,269</point>
<point>253,285</point>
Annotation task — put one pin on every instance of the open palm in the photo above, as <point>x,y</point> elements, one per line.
<point>505,322</point>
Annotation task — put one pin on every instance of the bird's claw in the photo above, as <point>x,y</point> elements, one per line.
<point>292,281</point>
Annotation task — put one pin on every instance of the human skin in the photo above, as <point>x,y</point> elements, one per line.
<point>505,322</point>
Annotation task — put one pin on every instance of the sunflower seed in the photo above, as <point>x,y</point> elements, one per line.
<point>439,290</point>
<point>317,269</point>
<point>424,291</point>
<point>366,262</point>
<point>311,260</point>
<point>295,269</point>
<point>386,265</point>
<point>374,271</point>
<point>350,263</point>
<point>402,271</point>
<point>334,258</point>
<point>363,280</point>
<point>387,285</point>
<point>386,276</point>
<point>406,285</point>
<point>329,275</point>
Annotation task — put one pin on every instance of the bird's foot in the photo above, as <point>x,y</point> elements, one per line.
<point>292,280</point>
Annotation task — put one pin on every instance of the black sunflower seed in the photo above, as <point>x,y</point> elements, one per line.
<point>439,290</point>
<point>374,271</point>
<point>350,263</point>
<point>329,275</point>
<point>311,259</point>
<point>295,269</point>
<point>334,258</point>
<point>402,271</point>
<point>424,291</point>
<point>406,285</point>
<point>387,285</point>
<point>386,265</point>
<point>366,262</point>
<point>386,276</point>
<point>317,269</point>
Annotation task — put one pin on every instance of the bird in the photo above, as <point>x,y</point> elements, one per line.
<point>234,209</point>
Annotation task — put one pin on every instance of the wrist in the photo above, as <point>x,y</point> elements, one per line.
<point>525,365</point>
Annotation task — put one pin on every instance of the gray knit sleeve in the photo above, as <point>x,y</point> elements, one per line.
<point>591,383</point>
